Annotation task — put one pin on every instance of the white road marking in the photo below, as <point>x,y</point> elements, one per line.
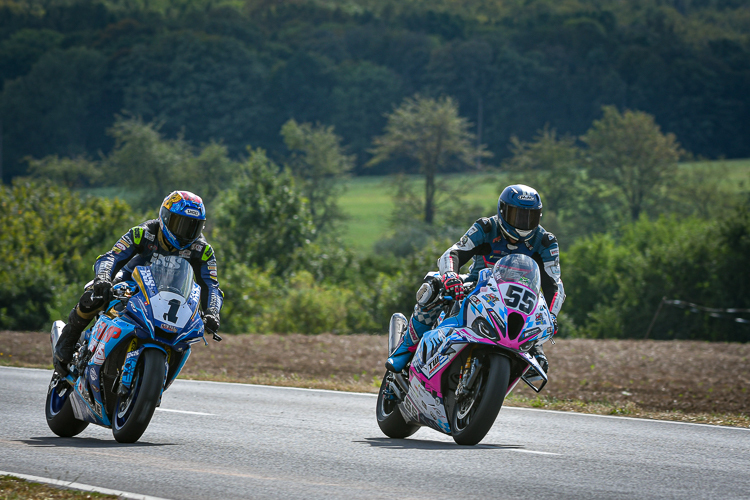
<point>188,412</point>
<point>80,486</point>
<point>618,417</point>
<point>534,452</point>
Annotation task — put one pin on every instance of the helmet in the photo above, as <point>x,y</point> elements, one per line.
<point>519,209</point>
<point>181,218</point>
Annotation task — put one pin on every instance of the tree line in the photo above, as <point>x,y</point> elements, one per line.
<point>634,226</point>
<point>232,73</point>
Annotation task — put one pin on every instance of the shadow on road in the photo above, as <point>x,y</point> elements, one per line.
<point>75,442</point>
<point>421,444</point>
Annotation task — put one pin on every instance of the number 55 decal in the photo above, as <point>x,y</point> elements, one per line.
<point>519,298</point>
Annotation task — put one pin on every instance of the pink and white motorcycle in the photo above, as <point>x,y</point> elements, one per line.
<point>463,369</point>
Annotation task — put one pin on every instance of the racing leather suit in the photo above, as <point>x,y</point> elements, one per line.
<point>139,247</point>
<point>486,244</point>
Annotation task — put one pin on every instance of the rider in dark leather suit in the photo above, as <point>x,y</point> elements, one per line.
<point>177,231</point>
<point>515,229</point>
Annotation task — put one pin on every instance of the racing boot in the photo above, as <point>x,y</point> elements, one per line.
<point>538,354</point>
<point>404,351</point>
<point>66,344</point>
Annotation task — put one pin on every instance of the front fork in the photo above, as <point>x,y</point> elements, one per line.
<point>468,375</point>
<point>131,360</point>
<point>397,387</point>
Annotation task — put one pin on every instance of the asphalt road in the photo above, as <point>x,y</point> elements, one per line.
<point>221,441</point>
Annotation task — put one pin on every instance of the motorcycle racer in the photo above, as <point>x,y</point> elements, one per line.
<point>515,229</point>
<point>177,231</point>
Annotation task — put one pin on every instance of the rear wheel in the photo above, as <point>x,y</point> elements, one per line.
<point>475,413</point>
<point>59,411</point>
<point>390,420</point>
<point>133,411</point>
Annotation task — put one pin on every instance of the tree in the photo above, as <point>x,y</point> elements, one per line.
<point>263,219</point>
<point>59,107</point>
<point>318,161</point>
<point>154,166</point>
<point>69,172</point>
<point>552,163</point>
<point>142,160</point>
<point>630,152</point>
<point>431,133</point>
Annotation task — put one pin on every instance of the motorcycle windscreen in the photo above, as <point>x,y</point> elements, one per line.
<point>173,274</point>
<point>518,268</point>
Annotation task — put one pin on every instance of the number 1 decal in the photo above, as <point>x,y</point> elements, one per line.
<point>520,298</point>
<point>171,316</point>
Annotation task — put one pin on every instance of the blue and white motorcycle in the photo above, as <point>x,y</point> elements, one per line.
<point>131,355</point>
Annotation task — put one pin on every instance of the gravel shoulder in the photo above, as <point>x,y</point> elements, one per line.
<point>676,380</point>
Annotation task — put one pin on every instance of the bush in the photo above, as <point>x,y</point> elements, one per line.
<point>615,282</point>
<point>49,241</point>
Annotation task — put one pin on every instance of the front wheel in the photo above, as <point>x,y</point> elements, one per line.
<point>133,411</point>
<point>475,413</point>
<point>390,420</point>
<point>58,409</point>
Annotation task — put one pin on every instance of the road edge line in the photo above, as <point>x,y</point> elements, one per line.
<point>80,486</point>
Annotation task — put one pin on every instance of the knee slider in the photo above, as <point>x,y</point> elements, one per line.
<point>428,292</point>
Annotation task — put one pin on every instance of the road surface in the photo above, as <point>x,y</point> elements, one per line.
<point>222,441</point>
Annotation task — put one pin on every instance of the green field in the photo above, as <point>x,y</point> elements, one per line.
<point>368,203</point>
<point>734,173</point>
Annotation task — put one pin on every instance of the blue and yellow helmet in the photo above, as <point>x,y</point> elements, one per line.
<point>181,218</point>
<point>519,209</point>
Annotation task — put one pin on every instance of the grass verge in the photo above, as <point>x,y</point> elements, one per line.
<point>13,488</point>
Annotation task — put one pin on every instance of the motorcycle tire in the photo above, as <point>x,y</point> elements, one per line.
<point>133,411</point>
<point>390,420</point>
<point>469,428</point>
<point>59,410</point>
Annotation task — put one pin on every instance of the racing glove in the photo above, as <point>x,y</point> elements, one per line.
<point>211,322</point>
<point>453,286</point>
<point>102,289</point>
<point>554,323</point>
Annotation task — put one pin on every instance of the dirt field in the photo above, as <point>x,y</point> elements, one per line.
<point>695,381</point>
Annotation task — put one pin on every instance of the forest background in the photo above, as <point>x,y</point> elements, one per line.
<point>265,108</point>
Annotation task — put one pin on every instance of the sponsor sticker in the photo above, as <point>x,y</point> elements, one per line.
<point>213,273</point>
<point>194,213</point>
<point>554,252</point>
<point>149,236</point>
<point>185,253</point>
<point>491,298</point>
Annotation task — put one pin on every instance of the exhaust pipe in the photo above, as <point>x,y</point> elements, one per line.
<point>396,330</point>
<point>54,334</point>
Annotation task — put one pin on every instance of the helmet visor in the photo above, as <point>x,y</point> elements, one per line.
<point>185,229</point>
<point>522,218</point>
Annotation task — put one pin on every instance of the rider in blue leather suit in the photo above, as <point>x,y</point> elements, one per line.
<point>515,229</point>
<point>177,231</point>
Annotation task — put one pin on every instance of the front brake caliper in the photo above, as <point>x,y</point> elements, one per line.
<point>468,376</point>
